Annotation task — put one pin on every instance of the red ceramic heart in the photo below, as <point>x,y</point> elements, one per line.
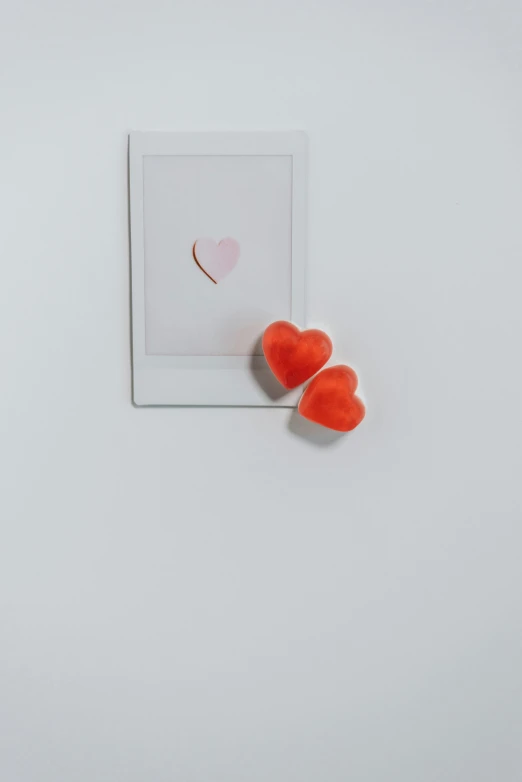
<point>330,400</point>
<point>294,356</point>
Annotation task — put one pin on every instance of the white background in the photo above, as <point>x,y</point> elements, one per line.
<point>188,197</point>
<point>219,595</point>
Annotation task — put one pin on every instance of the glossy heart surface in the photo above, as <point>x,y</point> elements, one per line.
<point>330,399</point>
<point>294,356</point>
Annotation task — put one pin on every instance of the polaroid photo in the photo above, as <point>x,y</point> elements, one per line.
<point>218,251</point>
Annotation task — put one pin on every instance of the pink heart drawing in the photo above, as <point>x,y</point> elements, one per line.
<point>216,260</point>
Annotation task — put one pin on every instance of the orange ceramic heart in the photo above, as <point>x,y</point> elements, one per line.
<point>330,400</point>
<point>294,356</point>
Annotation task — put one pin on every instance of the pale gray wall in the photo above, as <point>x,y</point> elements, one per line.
<point>214,595</point>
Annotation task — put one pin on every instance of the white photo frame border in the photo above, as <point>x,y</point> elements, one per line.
<point>212,380</point>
